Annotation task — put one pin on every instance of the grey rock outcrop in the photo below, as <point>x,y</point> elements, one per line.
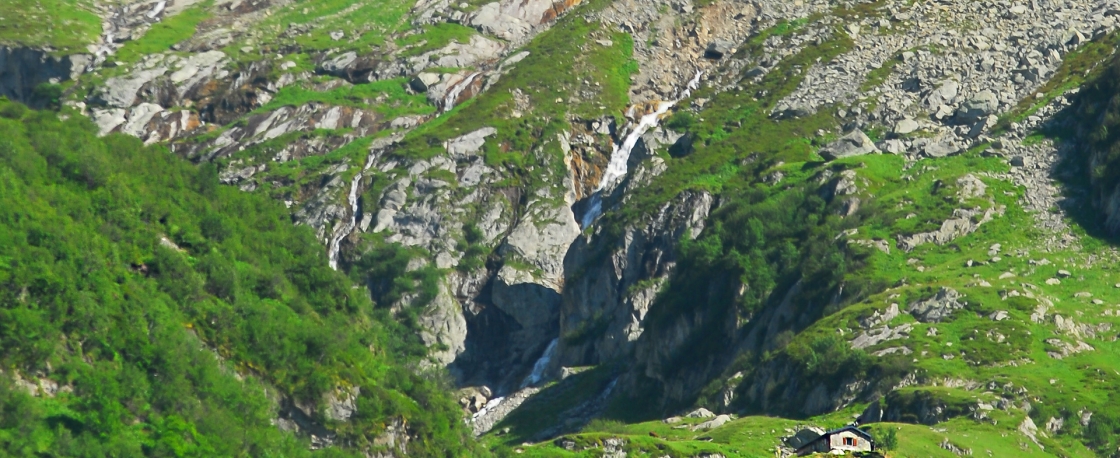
<point>714,423</point>
<point>531,294</point>
<point>804,435</point>
<point>514,20</point>
<point>443,326</point>
<point>938,307</point>
<point>467,146</point>
<point>962,223</point>
<point>719,48</point>
<point>121,91</point>
<point>905,126</point>
<point>979,106</point>
<point>341,403</point>
<point>943,95</point>
<point>422,81</point>
<point>855,143</point>
<point>885,333</point>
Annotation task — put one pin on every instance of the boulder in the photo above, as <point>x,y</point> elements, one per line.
<point>477,51</point>
<point>879,318</point>
<point>892,146</point>
<point>338,64</point>
<point>885,333</point>
<point>943,95</point>
<point>804,436</point>
<point>855,143</point>
<point>700,413</point>
<point>421,82</point>
<point>977,107</point>
<point>719,48</point>
<point>938,307</point>
<point>755,72</point>
<point>713,423</point>
<point>941,148</point>
<point>467,146</point>
<point>972,187</point>
<point>797,110</point>
<point>121,91</point>
<point>905,126</point>
<point>1054,425</point>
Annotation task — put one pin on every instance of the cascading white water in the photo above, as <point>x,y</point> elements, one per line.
<point>343,231</point>
<point>453,93</point>
<point>620,154</point>
<point>594,209</point>
<point>158,9</point>
<point>541,365</point>
<point>616,169</point>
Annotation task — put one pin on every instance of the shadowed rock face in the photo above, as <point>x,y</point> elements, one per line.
<point>23,69</point>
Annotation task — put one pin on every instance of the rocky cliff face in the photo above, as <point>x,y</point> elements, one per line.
<point>24,69</point>
<point>615,279</point>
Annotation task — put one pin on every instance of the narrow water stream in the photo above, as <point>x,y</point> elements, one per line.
<point>541,365</point>
<point>343,231</point>
<point>620,154</point>
<point>453,93</point>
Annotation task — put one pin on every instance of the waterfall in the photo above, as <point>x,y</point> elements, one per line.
<point>541,365</point>
<point>620,154</point>
<point>343,231</point>
<point>158,9</point>
<point>453,92</point>
<point>594,208</point>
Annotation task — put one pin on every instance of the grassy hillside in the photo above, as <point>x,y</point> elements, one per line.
<point>163,314</point>
<point>1053,290</point>
<point>67,26</point>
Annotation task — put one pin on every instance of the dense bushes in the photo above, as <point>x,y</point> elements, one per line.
<point>138,284</point>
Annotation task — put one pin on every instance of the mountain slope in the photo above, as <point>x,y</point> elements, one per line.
<point>595,216</point>
<point>150,310</point>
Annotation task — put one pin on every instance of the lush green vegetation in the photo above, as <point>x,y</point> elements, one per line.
<point>767,235</point>
<point>387,97</point>
<point>1101,105</point>
<point>175,312</point>
<point>434,37</point>
<point>65,26</point>
<point>563,61</point>
<point>365,24</point>
<point>164,34</point>
<point>384,268</point>
<point>736,138</point>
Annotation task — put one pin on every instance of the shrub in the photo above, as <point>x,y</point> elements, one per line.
<point>13,110</point>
